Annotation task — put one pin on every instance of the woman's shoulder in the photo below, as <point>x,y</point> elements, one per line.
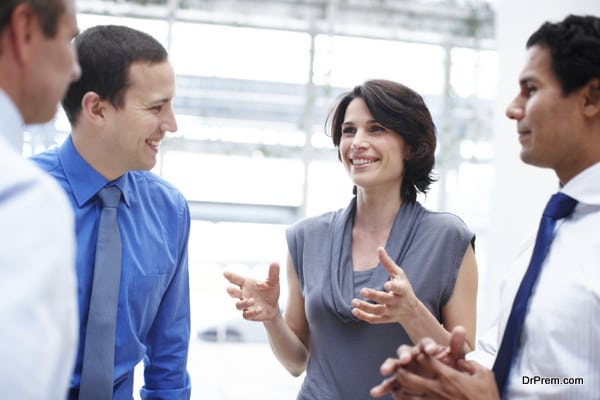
<point>315,222</point>
<point>444,221</point>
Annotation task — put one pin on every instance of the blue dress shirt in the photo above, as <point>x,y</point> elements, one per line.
<point>153,318</point>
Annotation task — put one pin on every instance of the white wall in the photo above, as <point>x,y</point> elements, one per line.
<point>520,191</point>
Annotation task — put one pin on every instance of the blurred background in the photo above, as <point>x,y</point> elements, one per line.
<point>255,83</point>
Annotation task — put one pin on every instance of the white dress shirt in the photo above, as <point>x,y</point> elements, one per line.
<point>38,289</point>
<point>560,353</point>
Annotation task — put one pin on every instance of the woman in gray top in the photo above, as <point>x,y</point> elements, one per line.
<point>383,271</point>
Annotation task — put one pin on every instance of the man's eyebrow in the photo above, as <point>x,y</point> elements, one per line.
<point>525,80</point>
<point>160,101</point>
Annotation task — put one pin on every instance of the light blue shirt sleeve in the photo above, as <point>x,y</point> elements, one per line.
<point>38,293</point>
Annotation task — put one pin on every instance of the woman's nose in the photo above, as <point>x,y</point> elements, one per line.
<point>359,142</point>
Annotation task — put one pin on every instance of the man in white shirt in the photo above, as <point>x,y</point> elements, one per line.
<point>558,120</point>
<point>38,304</point>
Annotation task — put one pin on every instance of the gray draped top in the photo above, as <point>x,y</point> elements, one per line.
<point>346,353</point>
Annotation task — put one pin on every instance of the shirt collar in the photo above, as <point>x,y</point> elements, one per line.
<point>584,186</point>
<point>12,123</point>
<point>85,181</point>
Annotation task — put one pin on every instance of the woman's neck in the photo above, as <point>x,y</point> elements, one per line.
<point>376,211</point>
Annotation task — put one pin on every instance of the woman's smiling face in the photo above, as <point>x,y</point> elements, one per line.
<point>372,154</point>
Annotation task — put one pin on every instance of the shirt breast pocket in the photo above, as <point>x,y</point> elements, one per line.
<point>144,296</point>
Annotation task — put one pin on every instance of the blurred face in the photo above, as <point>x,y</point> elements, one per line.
<point>372,154</point>
<point>547,121</point>
<point>53,66</point>
<point>134,131</point>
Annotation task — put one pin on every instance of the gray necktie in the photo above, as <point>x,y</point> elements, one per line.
<point>98,355</point>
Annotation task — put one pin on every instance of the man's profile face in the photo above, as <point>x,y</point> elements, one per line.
<point>135,130</point>
<point>545,117</point>
<point>52,67</point>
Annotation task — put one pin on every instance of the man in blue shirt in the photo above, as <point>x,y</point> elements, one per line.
<point>120,110</point>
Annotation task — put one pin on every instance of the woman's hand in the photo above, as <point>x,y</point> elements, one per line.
<point>258,300</point>
<point>397,303</point>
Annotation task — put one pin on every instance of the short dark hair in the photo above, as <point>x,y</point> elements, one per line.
<point>403,111</point>
<point>105,53</point>
<point>574,45</point>
<point>47,11</point>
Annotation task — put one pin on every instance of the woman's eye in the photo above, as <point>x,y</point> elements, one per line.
<point>348,131</point>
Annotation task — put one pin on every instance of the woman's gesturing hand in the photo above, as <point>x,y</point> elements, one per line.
<point>258,300</point>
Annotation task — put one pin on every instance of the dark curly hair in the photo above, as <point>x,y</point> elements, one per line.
<point>574,44</point>
<point>403,111</point>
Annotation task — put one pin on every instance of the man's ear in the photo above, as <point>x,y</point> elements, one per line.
<point>592,98</point>
<point>23,25</point>
<point>93,107</point>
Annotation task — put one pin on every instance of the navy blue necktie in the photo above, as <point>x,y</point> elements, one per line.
<point>99,351</point>
<point>559,206</point>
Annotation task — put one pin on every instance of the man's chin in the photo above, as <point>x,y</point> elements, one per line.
<point>41,115</point>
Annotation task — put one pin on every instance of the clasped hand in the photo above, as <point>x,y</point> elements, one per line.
<point>432,371</point>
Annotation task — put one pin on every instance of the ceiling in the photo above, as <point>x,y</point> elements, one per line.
<point>455,23</point>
